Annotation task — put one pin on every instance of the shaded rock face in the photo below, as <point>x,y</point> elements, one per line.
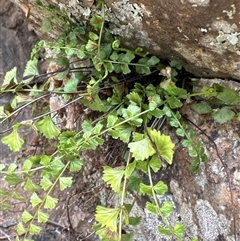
<point>16,42</point>
<point>16,38</point>
<point>204,35</point>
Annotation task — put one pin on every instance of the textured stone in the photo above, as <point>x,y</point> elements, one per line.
<point>204,35</point>
<point>16,38</point>
<point>16,42</point>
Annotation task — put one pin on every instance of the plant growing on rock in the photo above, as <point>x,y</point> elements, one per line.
<point>123,85</point>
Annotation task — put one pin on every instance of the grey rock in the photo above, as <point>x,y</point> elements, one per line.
<point>203,35</point>
<point>16,39</point>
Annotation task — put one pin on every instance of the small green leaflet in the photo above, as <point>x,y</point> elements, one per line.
<point>142,149</point>
<point>9,76</point>
<point>97,128</point>
<point>134,220</point>
<point>63,61</point>
<point>179,230</point>
<point>107,217</point>
<point>153,61</point>
<point>154,102</point>
<point>151,208</point>
<point>27,165</point>
<point>114,56</point>
<point>45,160</point>
<point>26,216</point>
<point>128,57</point>
<point>111,120</point>
<point>176,64</point>
<point>45,183</point>
<point>186,143</point>
<point>62,75</point>
<point>65,182</point>
<point>34,229</point>
<point>130,112</point>
<point>2,113</point>
<point>163,144</point>
<point>130,168</point>
<point>125,69</point>
<point>47,128</point>
<point>166,209</point>
<point>155,163</point>
<point>13,140</point>
<point>87,127</point>
<point>13,179</point>
<point>96,21</point>
<point>135,98</point>
<point>18,197</point>
<point>42,217</point>
<point>75,164</point>
<point>160,188</point>
<point>57,164</point>
<point>4,207</point>
<point>180,132</point>
<point>20,228</point>
<point>113,177</point>
<point>93,36</point>
<point>109,67</point>
<point>137,136</point>
<point>116,44</point>
<point>96,104</point>
<point>143,166</point>
<point>123,132</point>
<point>80,54</point>
<point>174,102</point>
<point>12,167</point>
<point>127,207</point>
<point>91,46</point>
<point>143,69</point>
<point>164,231</point>
<point>202,107</point>
<point>71,85</point>
<point>228,96</point>
<point>4,193</point>
<point>223,115</point>
<point>193,153</point>
<point>35,200</point>
<point>178,92</point>
<point>30,186</point>
<point>134,183</point>
<point>50,202</point>
<point>30,71</point>
<point>146,189</point>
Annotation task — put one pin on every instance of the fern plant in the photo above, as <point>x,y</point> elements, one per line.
<point>132,113</point>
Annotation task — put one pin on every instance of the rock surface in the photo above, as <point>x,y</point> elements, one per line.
<point>16,42</point>
<point>204,35</point>
<point>16,38</point>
